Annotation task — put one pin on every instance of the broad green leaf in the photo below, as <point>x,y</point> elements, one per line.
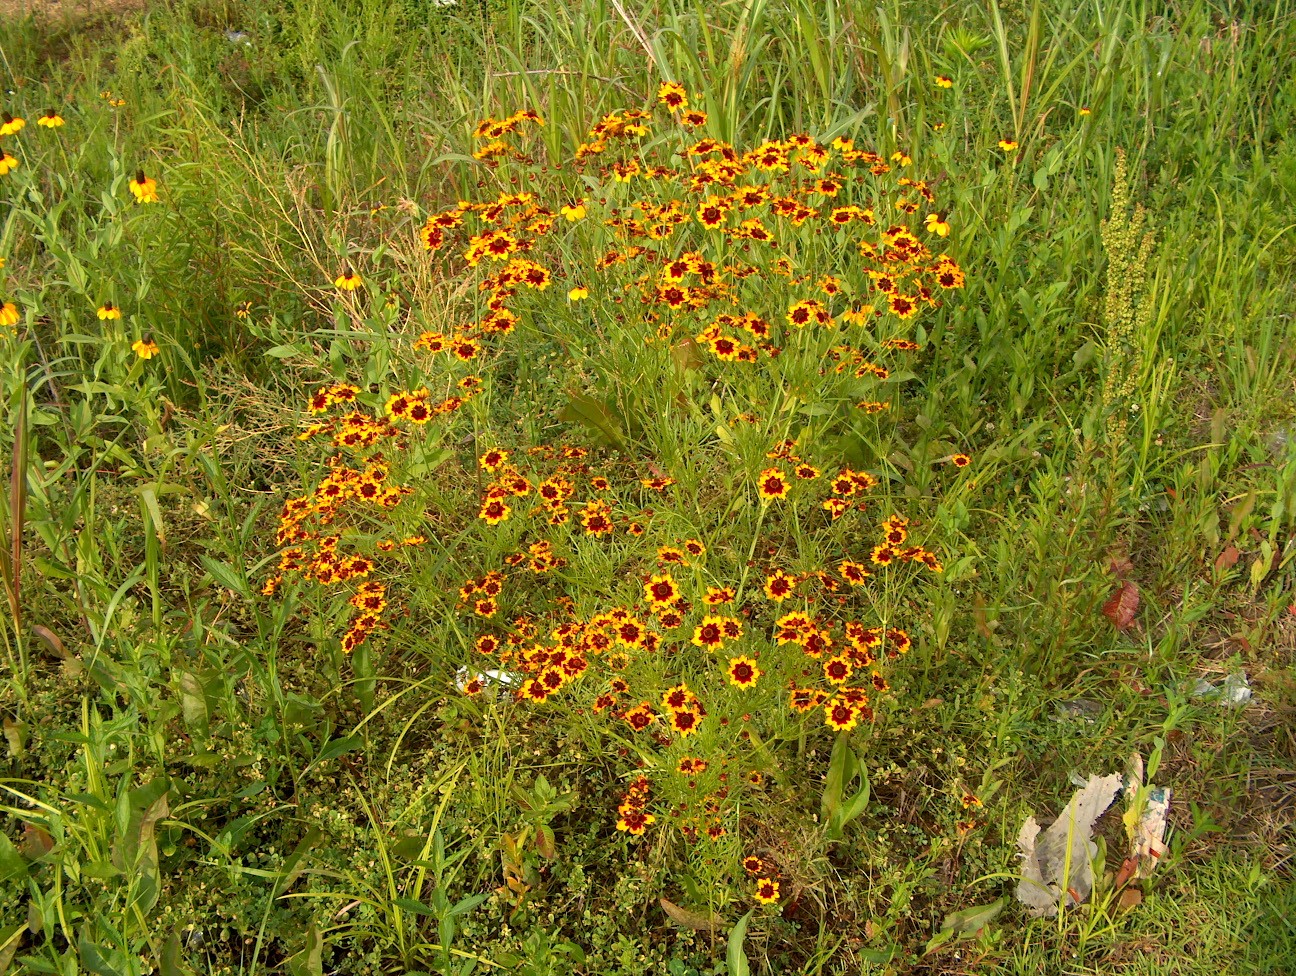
<point>736,957</point>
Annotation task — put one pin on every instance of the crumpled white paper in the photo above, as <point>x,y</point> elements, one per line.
<point>1061,858</point>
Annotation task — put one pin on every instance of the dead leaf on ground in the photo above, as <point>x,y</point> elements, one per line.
<point>691,920</point>
<point>1121,607</point>
<point>1228,558</point>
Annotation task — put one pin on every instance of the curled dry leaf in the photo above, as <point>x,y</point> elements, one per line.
<point>691,920</point>
<point>1228,558</point>
<point>1123,604</point>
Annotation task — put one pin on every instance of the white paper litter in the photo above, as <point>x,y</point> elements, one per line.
<point>493,682</point>
<point>1061,858</point>
<point>1234,691</point>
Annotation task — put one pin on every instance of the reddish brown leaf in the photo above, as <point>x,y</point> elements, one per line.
<point>1128,868</point>
<point>1122,605</point>
<point>1130,898</point>
<point>1228,558</point>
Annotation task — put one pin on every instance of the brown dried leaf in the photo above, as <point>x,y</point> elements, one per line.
<point>1123,605</point>
<point>1130,898</point>
<point>1228,558</point>
<point>691,920</point>
<point>1120,566</point>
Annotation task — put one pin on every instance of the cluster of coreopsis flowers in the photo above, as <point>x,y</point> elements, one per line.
<point>790,252</point>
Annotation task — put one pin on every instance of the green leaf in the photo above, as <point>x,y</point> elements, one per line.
<point>598,417</point>
<point>193,700</point>
<point>416,907</point>
<point>226,577</point>
<point>310,960</point>
<point>736,957</point>
<point>12,865</point>
<point>285,352</point>
<point>965,924</point>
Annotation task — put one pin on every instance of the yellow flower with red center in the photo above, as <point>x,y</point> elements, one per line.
<point>767,891</point>
<point>779,586</point>
<point>672,95</point>
<point>9,316</point>
<point>661,590</point>
<point>7,162</point>
<point>743,672</point>
<point>772,484</point>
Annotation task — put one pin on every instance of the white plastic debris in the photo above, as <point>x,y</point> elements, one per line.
<point>1233,692</point>
<point>494,682</point>
<point>1061,858</point>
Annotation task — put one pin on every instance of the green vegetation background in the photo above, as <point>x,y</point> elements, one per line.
<point>188,785</point>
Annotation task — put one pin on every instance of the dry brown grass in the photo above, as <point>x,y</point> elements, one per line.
<point>66,11</point>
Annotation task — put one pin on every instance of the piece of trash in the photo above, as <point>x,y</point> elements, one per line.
<point>1084,709</point>
<point>1233,691</point>
<point>494,682</point>
<point>239,37</point>
<point>1149,840</point>
<point>1061,858</point>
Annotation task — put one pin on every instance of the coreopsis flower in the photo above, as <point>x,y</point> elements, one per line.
<point>8,315</point>
<point>743,672</point>
<point>143,188</point>
<point>9,125</point>
<point>108,311</point>
<point>686,721</point>
<point>772,484</point>
<point>767,891</point>
<point>1008,145</point>
<point>709,633</point>
<point>573,211</point>
<point>145,348</point>
<point>944,81</point>
<point>672,95</point>
<point>960,460</point>
<point>493,460</point>
<point>661,590</point>
<point>348,280</point>
<point>494,511</point>
<point>840,716</point>
<point>50,119</point>
<point>7,162</point>
<point>779,586</point>
<point>579,293</point>
<point>635,821</point>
